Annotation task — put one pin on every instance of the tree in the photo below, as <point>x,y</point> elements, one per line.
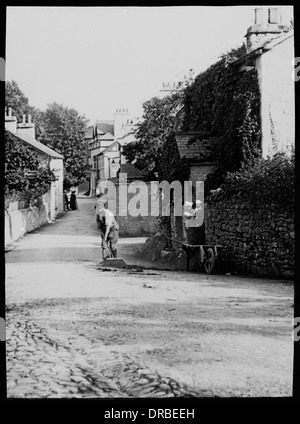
<point>155,148</point>
<point>16,99</point>
<point>64,131</point>
<point>225,104</point>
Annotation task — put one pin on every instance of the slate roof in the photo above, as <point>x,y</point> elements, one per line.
<point>89,132</point>
<point>264,46</point>
<point>107,136</point>
<point>107,149</point>
<point>194,146</point>
<point>38,146</point>
<point>105,127</point>
<point>127,138</point>
<point>132,172</point>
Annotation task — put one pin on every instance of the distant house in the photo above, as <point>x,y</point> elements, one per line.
<point>123,123</point>
<point>109,165</point>
<point>97,141</point>
<point>109,161</point>
<point>105,127</point>
<point>104,141</point>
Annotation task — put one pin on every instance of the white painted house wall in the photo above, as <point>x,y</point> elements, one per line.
<point>275,67</point>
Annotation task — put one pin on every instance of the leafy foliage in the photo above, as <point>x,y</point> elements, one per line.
<point>268,181</point>
<point>19,159</point>
<point>225,103</point>
<point>64,130</point>
<point>16,99</point>
<point>219,102</point>
<point>155,148</point>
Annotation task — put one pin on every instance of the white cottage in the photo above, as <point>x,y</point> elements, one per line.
<point>25,131</point>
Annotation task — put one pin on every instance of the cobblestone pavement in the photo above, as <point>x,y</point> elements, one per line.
<point>38,366</point>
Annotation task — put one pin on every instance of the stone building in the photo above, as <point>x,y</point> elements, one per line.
<point>104,146</point>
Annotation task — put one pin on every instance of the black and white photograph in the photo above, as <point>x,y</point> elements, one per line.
<point>149,206</point>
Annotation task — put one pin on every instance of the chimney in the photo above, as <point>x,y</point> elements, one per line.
<point>26,127</point>
<point>10,121</point>
<point>267,25</point>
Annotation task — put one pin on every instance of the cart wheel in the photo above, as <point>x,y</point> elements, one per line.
<point>209,261</point>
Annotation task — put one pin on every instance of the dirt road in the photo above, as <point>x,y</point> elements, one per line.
<point>75,329</point>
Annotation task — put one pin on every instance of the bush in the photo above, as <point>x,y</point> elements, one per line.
<point>19,160</point>
<point>268,181</point>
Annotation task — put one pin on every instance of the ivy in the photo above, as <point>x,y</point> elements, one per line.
<point>225,103</point>
<point>19,160</point>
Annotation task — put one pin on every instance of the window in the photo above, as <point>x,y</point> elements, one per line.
<point>273,16</point>
<point>259,15</point>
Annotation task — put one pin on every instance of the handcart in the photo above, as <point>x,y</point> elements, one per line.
<point>208,254</point>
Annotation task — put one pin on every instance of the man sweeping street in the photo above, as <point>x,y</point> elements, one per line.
<point>109,229</point>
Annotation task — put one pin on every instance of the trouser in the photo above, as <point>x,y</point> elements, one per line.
<point>112,240</point>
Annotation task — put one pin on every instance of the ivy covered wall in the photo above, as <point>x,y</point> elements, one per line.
<point>20,161</point>
<point>225,103</point>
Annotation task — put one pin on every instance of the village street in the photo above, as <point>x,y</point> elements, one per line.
<point>76,330</point>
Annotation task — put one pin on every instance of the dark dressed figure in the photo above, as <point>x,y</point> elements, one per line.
<point>73,201</point>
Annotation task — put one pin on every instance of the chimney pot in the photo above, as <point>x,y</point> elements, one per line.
<point>9,111</point>
<point>24,119</point>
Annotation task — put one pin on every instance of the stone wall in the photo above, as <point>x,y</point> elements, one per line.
<point>21,221</point>
<point>256,242</point>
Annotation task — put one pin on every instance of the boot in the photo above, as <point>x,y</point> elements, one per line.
<point>114,252</point>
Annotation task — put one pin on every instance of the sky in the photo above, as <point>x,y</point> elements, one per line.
<point>99,59</point>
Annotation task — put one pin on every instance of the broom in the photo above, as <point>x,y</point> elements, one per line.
<point>112,261</point>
